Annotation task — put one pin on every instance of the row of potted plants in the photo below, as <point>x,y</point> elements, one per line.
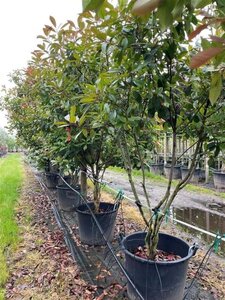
<point>181,171</point>
<point>100,94</point>
<point>70,199</point>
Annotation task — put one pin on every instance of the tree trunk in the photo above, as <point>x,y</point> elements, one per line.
<point>83,180</point>
<point>96,195</point>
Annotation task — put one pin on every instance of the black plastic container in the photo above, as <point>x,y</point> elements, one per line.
<point>157,280</point>
<point>219,180</point>
<point>51,180</point>
<point>67,178</point>
<point>88,230</point>
<point>68,199</point>
<point>196,176</point>
<point>157,169</point>
<point>176,171</point>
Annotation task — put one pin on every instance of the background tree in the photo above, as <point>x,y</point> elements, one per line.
<point>7,140</point>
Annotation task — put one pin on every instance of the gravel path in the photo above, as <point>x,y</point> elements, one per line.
<point>156,190</point>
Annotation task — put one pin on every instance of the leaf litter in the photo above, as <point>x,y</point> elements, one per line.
<point>42,267</point>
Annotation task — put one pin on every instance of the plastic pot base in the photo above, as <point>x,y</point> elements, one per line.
<point>157,280</point>
<point>88,230</point>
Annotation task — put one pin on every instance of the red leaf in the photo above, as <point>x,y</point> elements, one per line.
<point>204,56</point>
<point>52,19</point>
<point>197,31</point>
<point>217,39</point>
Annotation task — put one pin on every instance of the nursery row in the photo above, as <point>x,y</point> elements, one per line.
<point>101,93</point>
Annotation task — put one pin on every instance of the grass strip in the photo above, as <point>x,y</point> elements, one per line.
<point>11,178</point>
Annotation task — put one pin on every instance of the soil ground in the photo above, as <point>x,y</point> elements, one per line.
<point>43,267</point>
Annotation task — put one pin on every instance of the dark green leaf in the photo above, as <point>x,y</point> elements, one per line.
<point>92,4</point>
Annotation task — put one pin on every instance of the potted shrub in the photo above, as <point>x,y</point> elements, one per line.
<point>91,145</point>
<point>94,153</point>
<point>69,199</point>
<point>166,279</point>
<point>152,90</point>
<point>94,158</point>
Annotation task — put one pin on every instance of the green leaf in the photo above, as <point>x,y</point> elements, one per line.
<point>211,146</point>
<point>80,22</point>
<point>200,3</point>
<point>205,43</point>
<point>99,34</point>
<point>106,107</point>
<point>88,98</point>
<point>72,114</point>
<point>137,96</point>
<point>84,131</point>
<point>178,9</point>
<point>215,87</point>
<point>164,13</point>
<point>92,4</point>
<point>82,119</point>
<point>62,126</point>
<point>122,4</point>
<point>77,135</point>
<point>61,123</point>
<point>124,43</point>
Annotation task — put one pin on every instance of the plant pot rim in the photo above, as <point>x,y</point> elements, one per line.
<point>219,172</point>
<point>87,212</point>
<point>186,168</point>
<point>169,166</point>
<point>143,260</point>
<point>65,187</point>
<point>51,173</point>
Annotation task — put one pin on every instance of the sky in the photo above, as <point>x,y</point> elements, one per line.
<point>21,21</point>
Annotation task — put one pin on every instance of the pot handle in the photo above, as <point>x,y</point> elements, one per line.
<point>193,249</point>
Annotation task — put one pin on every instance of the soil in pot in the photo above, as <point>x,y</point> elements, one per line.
<point>68,199</point>
<point>88,231</point>
<point>160,254</point>
<point>164,280</point>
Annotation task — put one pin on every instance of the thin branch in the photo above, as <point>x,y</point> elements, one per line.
<point>127,162</point>
<point>142,171</point>
<point>187,150</point>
